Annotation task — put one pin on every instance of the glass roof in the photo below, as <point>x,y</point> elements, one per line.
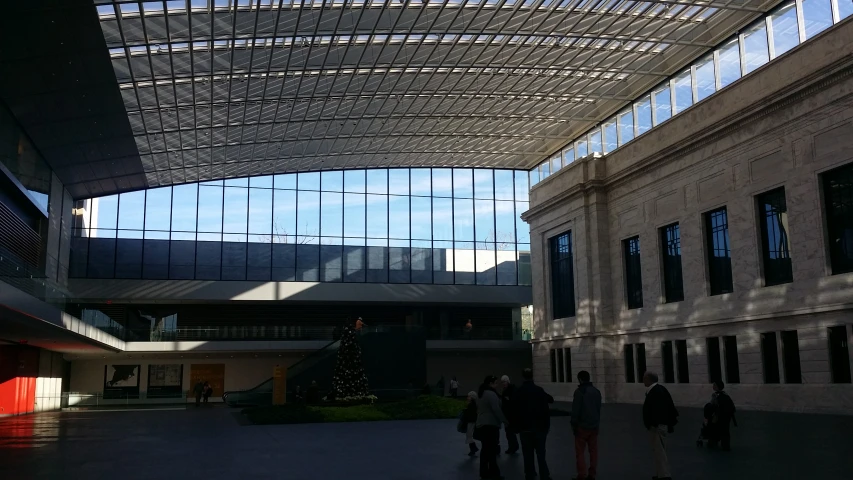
<point>222,88</point>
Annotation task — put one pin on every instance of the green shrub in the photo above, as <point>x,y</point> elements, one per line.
<point>420,408</point>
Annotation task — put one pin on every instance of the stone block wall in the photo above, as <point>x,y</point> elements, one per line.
<point>782,126</point>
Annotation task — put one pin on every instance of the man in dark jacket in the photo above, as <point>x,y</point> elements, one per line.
<point>507,393</point>
<point>659,418</point>
<point>533,421</point>
<point>586,416</point>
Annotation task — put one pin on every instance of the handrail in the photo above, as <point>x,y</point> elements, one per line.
<point>318,332</point>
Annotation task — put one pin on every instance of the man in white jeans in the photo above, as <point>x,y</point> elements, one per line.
<point>659,417</point>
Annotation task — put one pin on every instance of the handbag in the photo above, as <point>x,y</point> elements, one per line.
<point>462,425</point>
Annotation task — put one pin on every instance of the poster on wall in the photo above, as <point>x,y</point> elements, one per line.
<point>165,381</point>
<point>213,373</point>
<point>121,381</point>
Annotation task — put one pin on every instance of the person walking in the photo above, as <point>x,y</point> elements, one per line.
<point>507,393</point>
<point>469,416</point>
<point>359,325</point>
<point>723,415</point>
<point>198,390</point>
<point>533,422</point>
<point>208,391</point>
<point>468,327</point>
<point>659,418</point>
<point>586,417</point>
<point>490,417</point>
<point>454,387</point>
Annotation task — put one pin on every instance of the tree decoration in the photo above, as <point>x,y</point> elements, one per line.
<point>349,383</point>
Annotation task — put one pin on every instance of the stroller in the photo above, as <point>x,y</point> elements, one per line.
<point>715,423</point>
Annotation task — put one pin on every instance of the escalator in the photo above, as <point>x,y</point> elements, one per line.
<point>394,361</point>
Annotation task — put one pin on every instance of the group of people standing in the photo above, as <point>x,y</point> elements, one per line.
<point>202,390</point>
<point>525,413</point>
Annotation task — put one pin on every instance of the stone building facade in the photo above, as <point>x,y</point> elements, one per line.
<point>785,125</point>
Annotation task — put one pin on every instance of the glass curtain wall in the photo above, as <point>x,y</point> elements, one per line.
<point>786,27</point>
<point>420,225</point>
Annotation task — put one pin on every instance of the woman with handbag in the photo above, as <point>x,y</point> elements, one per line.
<point>490,417</point>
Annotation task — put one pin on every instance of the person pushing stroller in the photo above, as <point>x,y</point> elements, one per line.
<point>719,415</point>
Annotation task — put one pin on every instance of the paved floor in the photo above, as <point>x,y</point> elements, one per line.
<point>211,444</point>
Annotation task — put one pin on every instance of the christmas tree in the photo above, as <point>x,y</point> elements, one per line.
<point>349,381</point>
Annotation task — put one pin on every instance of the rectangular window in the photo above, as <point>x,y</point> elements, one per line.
<point>755,51</point>
<point>839,357</point>
<point>567,355</point>
<point>681,361</point>
<point>730,352</point>
<point>562,276</point>
<point>668,364</point>
<point>641,360</point>
<point>791,356</point>
<point>729,60</point>
<point>817,16</point>
<point>610,137</point>
<point>553,366</point>
<point>595,141</point>
<point>775,245</point>
<point>580,149</point>
<point>706,78</point>
<point>644,115</point>
<point>561,374</point>
<point>718,251</point>
<point>633,275</point>
<point>663,104</point>
<point>715,363</point>
<point>626,127</point>
<point>769,357</point>
<point>838,201</point>
<point>629,363</point>
<point>786,32</point>
<point>683,86</point>
<point>568,156</point>
<point>673,283</point>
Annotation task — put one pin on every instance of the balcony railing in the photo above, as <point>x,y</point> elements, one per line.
<point>329,333</point>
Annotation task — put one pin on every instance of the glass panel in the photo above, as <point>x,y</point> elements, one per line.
<point>611,140</point>
<point>442,182</point>
<point>309,181</point>
<point>398,181</point>
<point>562,276</point>
<point>568,156</point>
<point>209,209</point>
<point>377,216</point>
<point>533,176</point>
<point>706,79</point>
<point>185,203</point>
<point>776,247</point>
<point>484,215</point>
<point>354,181</point>
<point>523,263</point>
<point>420,181</point>
<point>237,182</point>
<point>595,141</point>
<point>633,276</point>
<point>261,182</point>
<point>287,181</point>
<point>442,219</point>
<point>377,181</point>
<point>421,220</point>
<point>486,266</point>
<point>521,187</point>
<point>236,203</point>
<point>504,225</point>
<point>158,205</point>
<point>504,184</point>
<point>580,149</point>
<point>683,92</point>
<point>464,263</point>
<point>522,230</point>
<point>332,214</point>
<point>729,63</point>
<point>331,181</point>
<point>398,217</point>
<point>663,105</point>
<point>545,170</point>
<point>463,220</point>
<point>644,115</point>
<point>284,216</point>
<point>421,262</point>
<point>483,184</point>
<point>755,49</point>
<point>463,183</point>
<point>786,33</point>
<point>131,214</point>
<point>442,262</point>
<point>626,127</point>
<point>817,16</point>
<point>354,215</point>
<point>556,162</point>
<point>308,215</point>
<point>719,251</point>
<point>845,8</point>
<point>260,213</point>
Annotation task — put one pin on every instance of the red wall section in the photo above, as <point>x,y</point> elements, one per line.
<point>18,373</point>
